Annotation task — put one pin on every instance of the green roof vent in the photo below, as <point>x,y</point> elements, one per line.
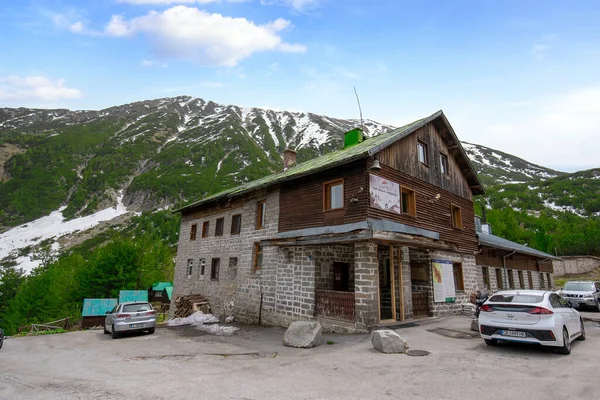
<point>355,136</point>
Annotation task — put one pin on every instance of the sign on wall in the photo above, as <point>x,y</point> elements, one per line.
<point>384,194</point>
<point>443,281</point>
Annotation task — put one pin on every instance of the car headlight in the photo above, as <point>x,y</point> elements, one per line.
<point>589,296</point>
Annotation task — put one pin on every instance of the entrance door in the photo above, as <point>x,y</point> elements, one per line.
<point>341,276</point>
<point>387,296</point>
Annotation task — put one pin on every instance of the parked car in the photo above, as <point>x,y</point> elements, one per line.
<point>130,317</point>
<point>582,293</point>
<point>530,316</point>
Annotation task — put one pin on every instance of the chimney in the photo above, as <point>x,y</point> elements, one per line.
<point>289,159</point>
<point>355,136</point>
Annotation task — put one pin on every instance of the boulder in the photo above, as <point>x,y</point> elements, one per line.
<point>303,334</point>
<point>388,341</point>
<point>474,325</point>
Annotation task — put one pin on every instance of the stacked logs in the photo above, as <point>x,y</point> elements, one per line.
<point>187,305</point>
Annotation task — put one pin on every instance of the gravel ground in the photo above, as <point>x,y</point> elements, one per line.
<point>183,363</point>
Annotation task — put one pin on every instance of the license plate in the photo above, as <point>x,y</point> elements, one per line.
<point>513,334</point>
<point>136,325</point>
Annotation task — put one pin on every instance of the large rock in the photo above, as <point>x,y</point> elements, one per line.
<point>388,341</point>
<point>303,334</point>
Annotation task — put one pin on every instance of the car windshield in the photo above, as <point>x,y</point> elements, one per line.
<point>579,286</point>
<point>517,298</point>
<point>137,307</point>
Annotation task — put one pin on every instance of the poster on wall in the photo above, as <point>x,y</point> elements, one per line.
<point>384,194</point>
<point>443,281</point>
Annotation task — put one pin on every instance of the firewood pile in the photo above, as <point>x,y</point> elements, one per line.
<point>187,305</point>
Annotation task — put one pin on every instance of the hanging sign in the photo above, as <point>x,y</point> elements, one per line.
<point>443,281</point>
<point>384,194</point>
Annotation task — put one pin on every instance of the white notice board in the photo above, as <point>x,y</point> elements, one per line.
<point>443,281</point>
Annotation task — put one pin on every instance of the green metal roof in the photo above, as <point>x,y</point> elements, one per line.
<point>97,307</point>
<point>368,147</point>
<point>159,286</point>
<point>133,295</point>
<point>169,291</point>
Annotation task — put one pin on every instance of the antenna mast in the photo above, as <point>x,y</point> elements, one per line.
<point>359,110</point>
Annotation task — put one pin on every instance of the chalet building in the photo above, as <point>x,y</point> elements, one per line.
<point>378,232</point>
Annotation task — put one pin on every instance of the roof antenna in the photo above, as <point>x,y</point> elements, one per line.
<point>362,128</point>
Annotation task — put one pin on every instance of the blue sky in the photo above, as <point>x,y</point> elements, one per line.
<point>519,76</point>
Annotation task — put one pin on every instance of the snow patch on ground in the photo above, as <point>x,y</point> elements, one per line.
<point>554,206</point>
<point>51,226</point>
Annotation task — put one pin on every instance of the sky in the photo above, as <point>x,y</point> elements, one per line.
<point>519,76</point>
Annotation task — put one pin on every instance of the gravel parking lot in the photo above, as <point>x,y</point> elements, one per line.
<point>183,363</point>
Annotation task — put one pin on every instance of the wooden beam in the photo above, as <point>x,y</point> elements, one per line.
<point>393,281</point>
<point>402,318</point>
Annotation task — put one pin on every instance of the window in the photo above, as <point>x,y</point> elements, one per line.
<point>205,227</point>
<point>511,279</point>
<point>456,216</point>
<point>422,150</point>
<point>193,232</point>
<point>485,272</point>
<point>190,268</point>
<point>232,262</point>
<point>409,204</point>
<point>444,164</point>
<point>219,227</point>
<point>530,279</point>
<point>261,208</point>
<point>214,269</point>
<point>521,281</point>
<point>459,283</point>
<point>499,281</point>
<point>202,266</point>
<point>258,256</point>
<point>548,280</point>
<point>334,195</point>
<point>236,224</point>
<point>542,284</point>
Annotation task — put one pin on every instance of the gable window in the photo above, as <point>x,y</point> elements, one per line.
<point>236,224</point>
<point>485,272</point>
<point>214,269</point>
<point>459,283</point>
<point>422,151</point>
<point>409,204</point>
<point>205,227</point>
<point>190,268</point>
<point>219,227</point>
<point>193,232</point>
<point>261,208</point>
<point>258,256</point>
<point>334,195</point>
<point>456,216</point>
<point>202,267</point>
<point>444,164</point>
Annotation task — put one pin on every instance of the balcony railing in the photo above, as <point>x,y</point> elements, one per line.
<point>334,304</point>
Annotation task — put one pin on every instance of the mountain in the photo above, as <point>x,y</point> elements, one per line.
<point>494,167</point>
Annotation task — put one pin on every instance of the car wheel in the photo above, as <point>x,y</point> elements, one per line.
<point>105,331</point>
<point>582,336</point>
<point>151,331</point>
<point>114,333</point>
<point>491,342</point>
<point>566,347</point>
<point>597,305</point>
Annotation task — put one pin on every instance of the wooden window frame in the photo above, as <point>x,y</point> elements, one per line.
<point>529,280</point>
<point>425,152</point>
<point>499,282</point>
<point>327,194</point>
<point>261,210</point>
<point>412,200</point>
<point>190,267</point>
<point>205,228</point>
<point>485,274</point>
<point>202,267</point>
<point>521,279</point>
<point>221,222</point>
<point>214,269</point>
<point>460,283</point>
<point>256,252</point>
<point>453,209</point>
<point>233,225</point>
<point>511,279</point>
<point>444,165</point>
<point>193,231</point>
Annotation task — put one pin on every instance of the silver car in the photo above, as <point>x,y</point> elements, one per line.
<point>130,317</point>
<point>582,293</point>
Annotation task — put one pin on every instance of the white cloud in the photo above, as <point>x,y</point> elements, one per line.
<point>559,131</point>
<point>38,88</point>
<point>296,5</point>
<point>153,63</point>
<point>210,39</point>
<point>168,2</point>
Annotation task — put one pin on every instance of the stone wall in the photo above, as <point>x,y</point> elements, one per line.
<point>576,265</point>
